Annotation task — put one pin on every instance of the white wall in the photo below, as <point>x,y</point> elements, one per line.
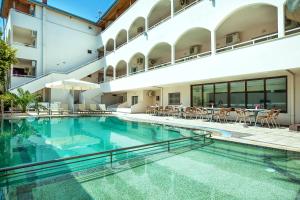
<point>185,94</point>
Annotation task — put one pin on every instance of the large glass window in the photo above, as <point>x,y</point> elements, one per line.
<point>221,94</point>
<point>134,100</point>
<point>197,95</point>
<point>174,98</point>
<point>267,93</point>
<point>208,95</point>
<point>276,93</point>
<point>255,93</point>
<point>237,94</point>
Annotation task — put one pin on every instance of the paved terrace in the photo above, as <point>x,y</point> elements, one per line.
<point>279,138</point>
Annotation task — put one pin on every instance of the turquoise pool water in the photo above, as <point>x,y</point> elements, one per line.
<point>41,139</point>
<point>222,170</point>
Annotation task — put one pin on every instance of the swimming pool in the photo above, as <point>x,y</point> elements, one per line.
<point>222,170</point>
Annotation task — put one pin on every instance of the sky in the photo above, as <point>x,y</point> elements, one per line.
<point>89,9</point>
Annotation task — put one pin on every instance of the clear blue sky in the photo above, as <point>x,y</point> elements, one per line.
<point>88,9</point>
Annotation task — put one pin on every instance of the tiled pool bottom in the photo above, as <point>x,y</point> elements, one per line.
<point>219,171</point>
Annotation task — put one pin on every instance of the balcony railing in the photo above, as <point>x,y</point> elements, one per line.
<point>136,36</point>
<point>136,72</point>
<point>248,43</point>
<point>121,76</point>
<point>24,75</point>
<point>158,23</point>
<point>159,66</point>
<point>186,7</point>
<point>120,45</point>
<point>187,58</point>
<point>292,31</point>
<point>24,44</point>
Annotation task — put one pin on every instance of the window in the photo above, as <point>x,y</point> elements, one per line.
<point>221,94</point>
<point>266,92</point>
<point>174,98</point>
<point>208,95</point>
<point>134,100</point>
<point>90,51</point>
<point>276,90</point>
<point>197,95</point>
<point>237,94</point>
<point>255,93</point>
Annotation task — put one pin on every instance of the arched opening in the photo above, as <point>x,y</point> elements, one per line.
<point>121,69</point>
<point>248,25</point>
<point>192,44</point>
<point>110,46</point>
<point>292,20</point>
<point>136,64</point>
<point>109,73</point>
<point>159,56</point>
<point>137,27</point>
<point>179,5</point>
<point>121,38</point>
<point>160,12</point>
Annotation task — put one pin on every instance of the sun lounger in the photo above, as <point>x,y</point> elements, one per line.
<point>94,110</point>
<point>103,109</point>
<point>82,109</point>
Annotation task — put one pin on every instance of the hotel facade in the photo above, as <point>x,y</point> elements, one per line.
<point>234,53</point>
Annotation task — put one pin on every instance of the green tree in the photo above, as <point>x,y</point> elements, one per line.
<point>24,98</point>
<point>7,58</point>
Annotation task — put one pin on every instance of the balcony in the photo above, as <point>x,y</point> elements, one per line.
<point>24,37</point>
<point>283,54</point>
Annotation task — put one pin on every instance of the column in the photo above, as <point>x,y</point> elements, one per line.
<point>115,44</point>
<point>104,75</point>
<point>146,63</point>
<point>127,68</point>
<point>114,73</point>
<point>281,21</point>
<point>44,39</point>
<point>146,24</point>
<point>213,42</point>
<point>173,54</point>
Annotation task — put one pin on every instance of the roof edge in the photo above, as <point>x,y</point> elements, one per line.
<point>107,11</point>
<point>61,11</point>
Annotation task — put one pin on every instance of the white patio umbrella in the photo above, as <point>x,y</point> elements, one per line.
<point>72,84</point>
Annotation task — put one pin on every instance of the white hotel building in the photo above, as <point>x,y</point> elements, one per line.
<point>233,53</point>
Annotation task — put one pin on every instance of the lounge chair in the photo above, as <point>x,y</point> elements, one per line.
<point>64,108</point>
<point>103,109</point>
<point>265,117</point>
<point>82,109</point>
<point>94,110</point>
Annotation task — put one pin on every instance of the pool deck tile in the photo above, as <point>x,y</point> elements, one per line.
<point>279,138</point>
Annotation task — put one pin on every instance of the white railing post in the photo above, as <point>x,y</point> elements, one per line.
<point>173,54</point>
<point>114,73</point>
<point>146,64</point>
<point>281,21</point>
<point>213,42</point>
<point>146,24</point>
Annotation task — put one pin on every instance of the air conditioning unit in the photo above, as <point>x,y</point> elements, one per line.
<point>195,49</point>
<point>184,2</point>
<point>151,93</point>
<point>232,38</point>
<point>152,61</point>
<point>140,29</point>
<point>140,61</point>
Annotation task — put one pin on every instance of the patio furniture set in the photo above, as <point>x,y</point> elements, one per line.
<point>222,115</point>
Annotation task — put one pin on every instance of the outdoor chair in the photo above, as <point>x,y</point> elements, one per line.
<point>189,112</point>
<point>94,110</point>
<point>103,109</point>
<point>82,109</point>
<point>266,117</point>
<point>274,118</point>
<point>221,115</point>
<point>64,108</point>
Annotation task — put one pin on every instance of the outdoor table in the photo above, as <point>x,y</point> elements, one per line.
<point>212,111</point>
<point>256,111</point>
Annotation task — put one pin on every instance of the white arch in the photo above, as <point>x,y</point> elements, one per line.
<point>236,9</point>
